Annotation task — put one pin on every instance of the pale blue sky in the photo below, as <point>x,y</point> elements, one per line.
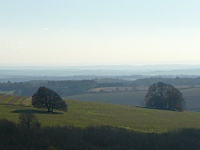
<point>99,31</point>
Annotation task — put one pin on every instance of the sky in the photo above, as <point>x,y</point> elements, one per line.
<point>68,32</point>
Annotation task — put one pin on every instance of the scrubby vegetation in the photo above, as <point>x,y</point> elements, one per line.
<point>17,137</point>
<point>29,120</point>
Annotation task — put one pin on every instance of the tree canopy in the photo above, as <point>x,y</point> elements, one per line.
<point>47,98</point>
<point>164,96</point>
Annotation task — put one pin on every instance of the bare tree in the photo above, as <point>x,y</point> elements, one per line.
<point>29,120</point>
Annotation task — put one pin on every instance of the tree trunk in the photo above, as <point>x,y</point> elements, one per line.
<point>48,109</point>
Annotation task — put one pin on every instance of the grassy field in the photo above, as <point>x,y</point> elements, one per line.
<point>14,100</point>
<point>83,114</point>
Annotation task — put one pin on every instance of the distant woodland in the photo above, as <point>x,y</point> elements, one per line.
<point>75,87</point>
<point>173,81</point>
<point>63,88</point>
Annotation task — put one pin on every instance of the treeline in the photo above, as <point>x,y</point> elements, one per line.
<point>63,88</point>
<point>173,81</point>
<point>116,82</point>
<point>113,82</point>
<point>74,87</point>
<point>13,136</point>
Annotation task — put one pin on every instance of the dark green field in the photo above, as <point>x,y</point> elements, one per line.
<point>192,97</point>
<point>136,98</point>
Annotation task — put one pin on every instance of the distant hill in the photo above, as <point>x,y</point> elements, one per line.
<point>27,73</point>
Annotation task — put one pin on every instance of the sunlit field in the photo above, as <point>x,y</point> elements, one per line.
<point>83,114</point>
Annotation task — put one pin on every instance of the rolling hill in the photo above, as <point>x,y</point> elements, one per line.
<point>84,114</point>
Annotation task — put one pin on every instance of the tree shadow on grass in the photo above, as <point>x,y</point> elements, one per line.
<point>35,112</point>
<point>160,109</point>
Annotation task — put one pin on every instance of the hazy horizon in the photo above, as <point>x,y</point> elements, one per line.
<point>139,63</point>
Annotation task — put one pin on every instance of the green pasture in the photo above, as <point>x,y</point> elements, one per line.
<point>84,114</point>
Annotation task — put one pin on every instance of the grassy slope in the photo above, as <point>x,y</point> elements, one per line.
<point>83,114</point>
